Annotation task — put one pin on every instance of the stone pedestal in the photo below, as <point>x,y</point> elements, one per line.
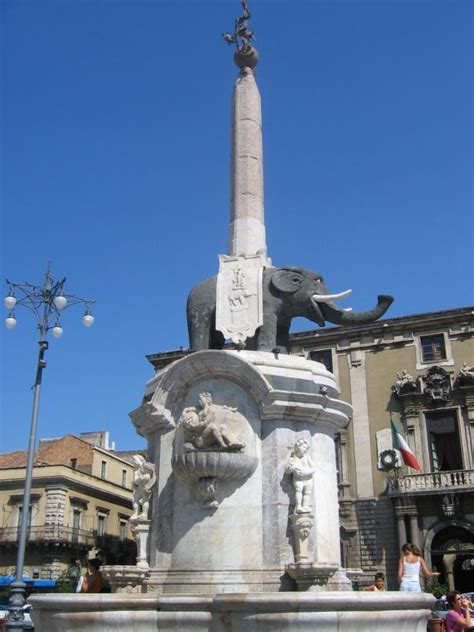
<point>141,530</point>
<point>220,519</point>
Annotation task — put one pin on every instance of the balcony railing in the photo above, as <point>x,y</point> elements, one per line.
<point>434,482</point>
<point>49,533</point>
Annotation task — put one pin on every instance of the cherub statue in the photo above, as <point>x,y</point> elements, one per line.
<point>301,468</point>
<point>202,428</point>
<point>144,478</point>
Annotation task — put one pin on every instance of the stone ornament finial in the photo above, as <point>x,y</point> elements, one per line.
<point>144,478</point>
<point>301,468</point>
<point>246,55</point>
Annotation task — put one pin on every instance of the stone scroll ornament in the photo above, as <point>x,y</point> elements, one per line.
<point>144,478</point>
<point>212,447</point>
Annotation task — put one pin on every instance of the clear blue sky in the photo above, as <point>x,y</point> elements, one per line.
<point>116,125</point>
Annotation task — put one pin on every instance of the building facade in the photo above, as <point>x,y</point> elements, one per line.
<point>415,370</point>
<point>81,501</point>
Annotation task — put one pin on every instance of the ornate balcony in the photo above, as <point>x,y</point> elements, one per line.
<point>431,483</point>
<point>49,534</point>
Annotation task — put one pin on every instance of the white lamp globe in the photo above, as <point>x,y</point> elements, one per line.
<point>57,331</point>
<point>9,301</point>
<point>88,319</point>
<point>60,301</point>
<point>10,322</point>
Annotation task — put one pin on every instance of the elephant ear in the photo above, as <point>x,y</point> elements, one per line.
<point>287,280</point>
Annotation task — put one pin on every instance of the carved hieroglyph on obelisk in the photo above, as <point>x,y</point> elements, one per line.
<point>239,307</point>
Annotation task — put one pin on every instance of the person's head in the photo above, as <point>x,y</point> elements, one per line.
<point>415,550</point>
<point>94,564</point>
<point>379,580</point>
<point>407,548</point>
<point>453,600</point>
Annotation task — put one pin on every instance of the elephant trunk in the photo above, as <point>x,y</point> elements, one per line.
<point>342,317</point>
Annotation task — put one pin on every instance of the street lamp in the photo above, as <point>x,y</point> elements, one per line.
<point>47,303</point>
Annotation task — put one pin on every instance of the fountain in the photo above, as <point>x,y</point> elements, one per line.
<point>240,529</point>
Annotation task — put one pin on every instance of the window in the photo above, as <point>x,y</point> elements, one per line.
<point>76,519</point>
<point>443,439</point>
<point>324,356</point>
<point>122,529</point>
<point>101,519</point>
<point>73,463</point>
<point>124,478</point>
<point>20,514</point>
<point>433,348</point>
<point>103,469</point>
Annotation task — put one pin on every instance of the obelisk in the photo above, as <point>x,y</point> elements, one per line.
<point>247,225</point>
<point>239,305</point>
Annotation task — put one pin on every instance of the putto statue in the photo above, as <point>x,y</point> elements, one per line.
<point>205,426</point>
<point>301,468</point>
<point>144,478</point>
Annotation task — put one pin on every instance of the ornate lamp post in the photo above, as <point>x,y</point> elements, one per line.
<point>47,303</point>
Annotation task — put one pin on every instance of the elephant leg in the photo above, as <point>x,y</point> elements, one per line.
<point>267,333</point>
<point>216,338</point>
<point>199,329</point>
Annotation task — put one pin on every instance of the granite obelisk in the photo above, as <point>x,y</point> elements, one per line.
<point>247,225</point>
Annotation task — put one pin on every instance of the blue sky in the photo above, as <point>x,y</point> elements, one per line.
<point>115,166</point>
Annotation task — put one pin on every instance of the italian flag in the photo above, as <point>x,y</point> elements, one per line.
<point>402,446</point>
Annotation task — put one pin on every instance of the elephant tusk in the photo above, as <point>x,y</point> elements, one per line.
<point>327,298</point>
<point>347,309</point>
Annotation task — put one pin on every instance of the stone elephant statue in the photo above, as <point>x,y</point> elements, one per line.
<point>287,292</point>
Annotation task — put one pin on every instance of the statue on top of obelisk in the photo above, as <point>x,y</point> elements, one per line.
<point>246,55</point>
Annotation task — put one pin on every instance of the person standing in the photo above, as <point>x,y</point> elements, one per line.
<point>409,566</point>
<point>459,615</point>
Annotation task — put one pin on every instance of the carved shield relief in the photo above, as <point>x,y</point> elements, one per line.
<point>239,302</point>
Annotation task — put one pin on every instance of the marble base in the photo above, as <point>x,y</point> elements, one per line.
<point>239,612</point>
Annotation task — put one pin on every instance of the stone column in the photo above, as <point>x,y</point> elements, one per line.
<point>414,532</point>
<point>360,425</point>
<point>247,227</point>
<point>401,528</point>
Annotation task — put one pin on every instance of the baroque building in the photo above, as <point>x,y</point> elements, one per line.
<point>81,501</point>
<point>415,370</point>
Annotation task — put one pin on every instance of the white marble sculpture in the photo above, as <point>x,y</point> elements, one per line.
<point>144,478</point>
<point>301,468</point>
<point>205,426</point>
<point>405,382</point>
<point>465,376</point>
